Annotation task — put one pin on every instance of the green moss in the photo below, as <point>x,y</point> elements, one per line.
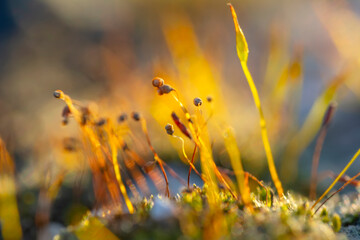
<point>336,222</point>
<point>287,219</point>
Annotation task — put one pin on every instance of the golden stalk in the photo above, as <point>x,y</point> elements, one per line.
<point>243,52</point>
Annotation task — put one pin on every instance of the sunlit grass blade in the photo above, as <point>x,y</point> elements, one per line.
<point>243,51</point>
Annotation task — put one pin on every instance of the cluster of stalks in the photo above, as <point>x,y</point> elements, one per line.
<point>112,160</point>
<point>117,166</point>
<point>104,141</point>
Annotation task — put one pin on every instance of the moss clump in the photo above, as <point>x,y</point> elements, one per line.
<point>187,215</point>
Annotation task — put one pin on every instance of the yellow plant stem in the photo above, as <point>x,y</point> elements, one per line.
<point>114,155</point>
<point>243,52</point>
<point>205,153</point>
<point>215,169</point>
<point>342,187</point>
<point>187,159</point>
<point>337,178</point>
<point>95,145</point>
<point>264,133</point>
<point>9,212</point>
<point>207,163</point>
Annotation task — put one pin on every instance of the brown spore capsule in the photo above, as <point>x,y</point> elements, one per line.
<point>57,93</point>
<point>164,89</point>
<point>197,102</point>
<point>157,82</point>
<point>123,117</point>
<point>101,122</point>
<point>136,116</point>
<point>169,129</point>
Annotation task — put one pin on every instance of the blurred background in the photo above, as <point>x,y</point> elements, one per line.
<point>303,54</point>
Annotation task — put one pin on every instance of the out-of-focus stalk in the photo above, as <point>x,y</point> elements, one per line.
<point>9,214</point>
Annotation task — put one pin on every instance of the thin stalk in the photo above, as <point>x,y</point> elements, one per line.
<point>205,153</point>
<point>95,145</point>
<point>343,186</point>
<point>315,163</point>
<point>174,174</point>
<point>337,178</point>
<point>114,155</point>
<point>187,159</point>
<point>319,144</point>
<point>264,133</point>
<point>153,174</point>
<point>207,163</point>
<point>243,52</point>
<point>192,161</point>
<point>156,157</point>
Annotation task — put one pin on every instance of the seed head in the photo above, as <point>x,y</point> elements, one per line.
<point>169,129</point>
<point>101,122</point>
<point>209,98</point>
<point>58,93</point>
<point>122,117</point>
<point>197,102</point>
<point>164,89</point>
<point>136,116</point>
<point>157,82</point>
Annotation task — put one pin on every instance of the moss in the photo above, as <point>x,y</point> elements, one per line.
<point>283,220</point>
<point>336,222</point>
